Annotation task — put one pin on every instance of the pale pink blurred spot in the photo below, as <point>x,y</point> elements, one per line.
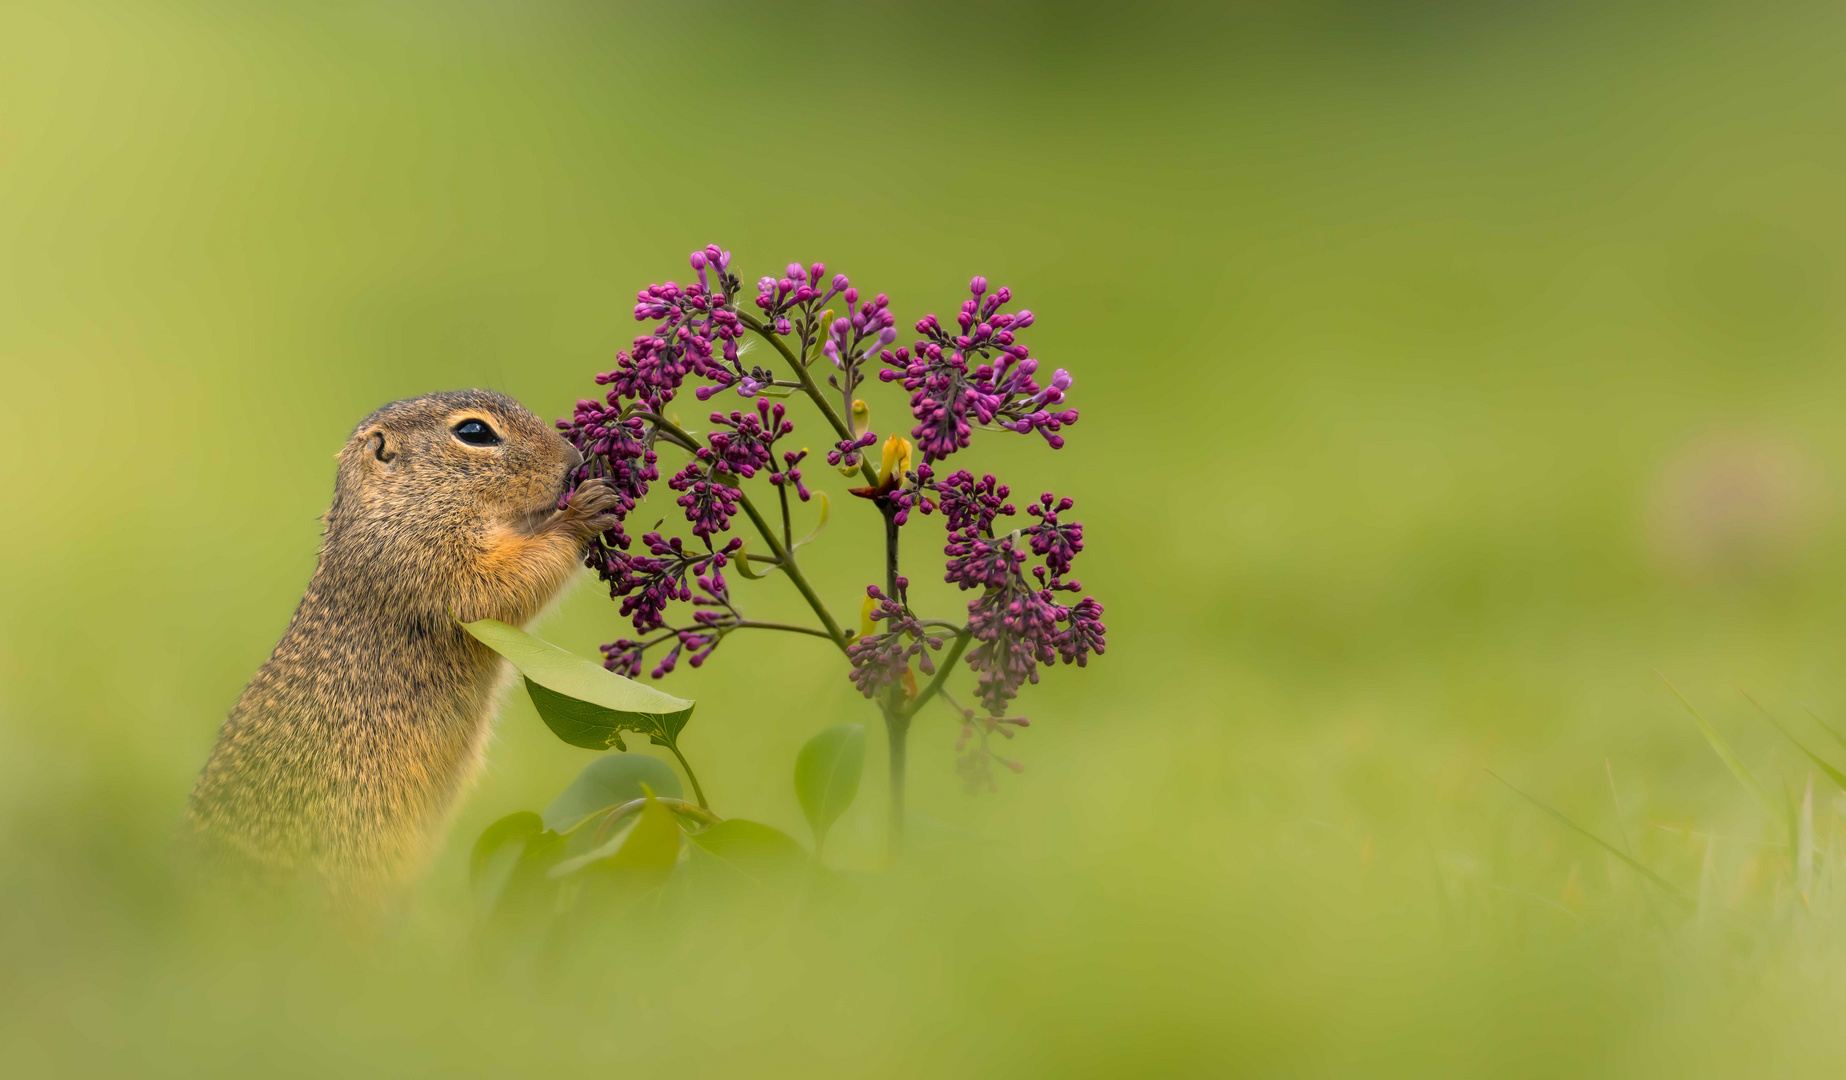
<point>1735,504</point>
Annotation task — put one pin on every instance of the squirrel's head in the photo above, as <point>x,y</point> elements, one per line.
<point>463,461</point>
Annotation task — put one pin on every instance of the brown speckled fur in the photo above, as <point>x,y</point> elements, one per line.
<point>345,755</point>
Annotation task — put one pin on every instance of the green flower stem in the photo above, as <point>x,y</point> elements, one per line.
<point>751,624</point>
<point>793,571</point>
<point>788,529</point>
<point>897,732</point>
<point>782,554</point>
<point>897,721</point>
<point>809,387</point>
<point>697,791</point>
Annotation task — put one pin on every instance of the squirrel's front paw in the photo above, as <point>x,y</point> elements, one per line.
<point>591,506</point>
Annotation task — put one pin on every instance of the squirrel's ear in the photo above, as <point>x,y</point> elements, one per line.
<point>380,445</point>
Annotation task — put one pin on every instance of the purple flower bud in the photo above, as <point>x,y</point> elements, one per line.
<point>698,260</point>
<point>977,286</point>
<point>839,283</point>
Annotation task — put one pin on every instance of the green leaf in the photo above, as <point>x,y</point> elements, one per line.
<point>581,702</point>
<point>741,561</point>
<point>651,844</point>
<point>827,776</point>
<point>511,828</point>
<point>1724,752</point>
<point>508,864</point>
<point>607,782</point>
<point>1671,890</point>
<point>826,509</point>
<point>754,851</point>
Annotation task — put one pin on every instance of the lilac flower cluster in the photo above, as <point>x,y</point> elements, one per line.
<point>650,582</point>
<point>982,373</point>
<point>1017,622</point>
<point>698,334</point>
<point>1020,617</point>
<point>616,448</point>
<point>743,445</point>
<point>880,661</point>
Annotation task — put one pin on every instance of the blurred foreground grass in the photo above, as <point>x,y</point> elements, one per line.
<point>1446,371</point>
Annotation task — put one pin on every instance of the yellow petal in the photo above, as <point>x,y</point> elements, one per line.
<point>866,626</point>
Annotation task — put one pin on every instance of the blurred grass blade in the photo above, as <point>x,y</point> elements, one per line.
<point>1831,730</point>
<point>1670,888</point>
<point>1724,751</point>
<point>1833,774</point>
<point>1804,851</point>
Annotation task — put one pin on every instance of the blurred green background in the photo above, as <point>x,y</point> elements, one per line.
<point>1446,371</point>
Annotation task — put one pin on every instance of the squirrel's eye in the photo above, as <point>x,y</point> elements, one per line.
<point>476,433</point>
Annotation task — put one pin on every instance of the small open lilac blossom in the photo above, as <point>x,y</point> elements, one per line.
<point>976,375</point>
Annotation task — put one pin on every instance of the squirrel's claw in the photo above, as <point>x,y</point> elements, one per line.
<point>588,512</point>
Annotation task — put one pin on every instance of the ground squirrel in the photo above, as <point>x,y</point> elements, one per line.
<point>344,756</point>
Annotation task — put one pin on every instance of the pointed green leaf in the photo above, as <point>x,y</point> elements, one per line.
<point>653,844</point>
<point>741,561</point>
<point>587,846</point>
<point>1604,844</point>
<point>1724,752</point>
<point>650,844</point>
<point>826,509</point>
<point>607,782</point>
<point>581,702</point>
<point>827,776</point>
